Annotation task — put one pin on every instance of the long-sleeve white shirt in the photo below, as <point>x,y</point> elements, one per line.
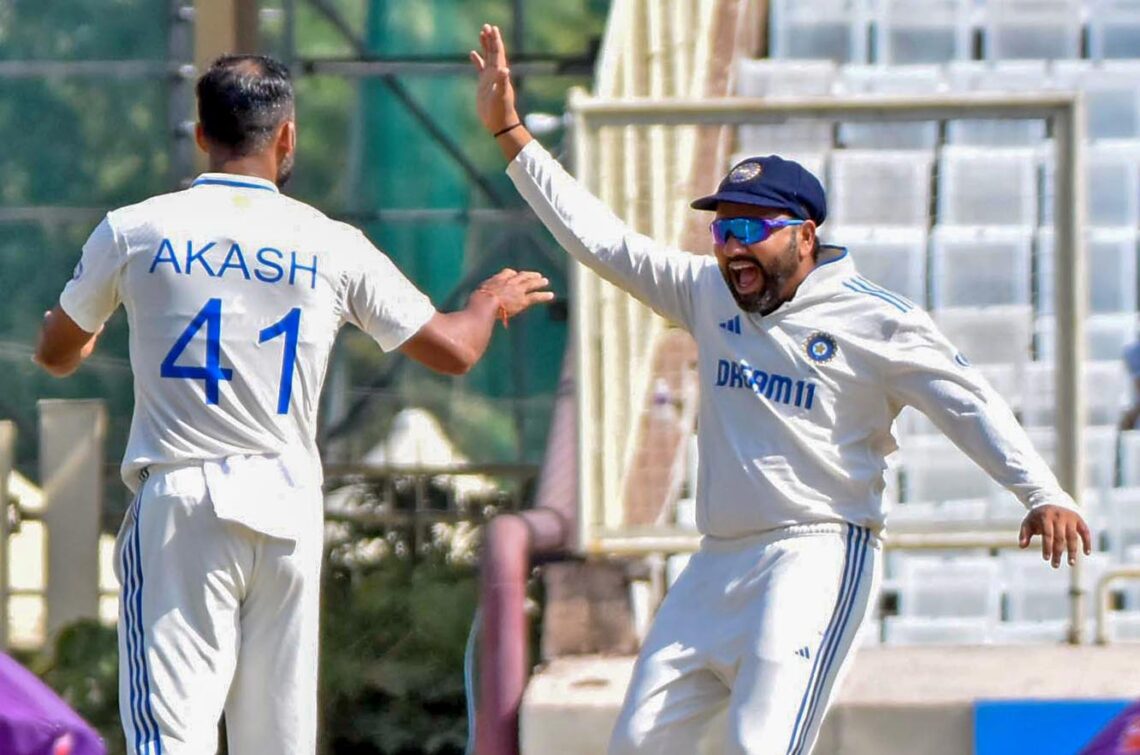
<point>796,407</point>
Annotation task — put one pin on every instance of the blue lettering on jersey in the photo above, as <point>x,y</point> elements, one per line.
<point>262,259</point>
<point>239,264</point>
<point>197,256</point>
<point>294,267</point>
<point>776,388</point>
<point>267,265</point>
<point>165,254</point>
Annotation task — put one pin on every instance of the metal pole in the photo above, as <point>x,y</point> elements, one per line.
<point>1070,287</point>
<point>180,107</point>
<point>581,329</point>
<point>7,451</point>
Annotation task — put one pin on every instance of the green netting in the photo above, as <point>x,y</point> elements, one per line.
<point>101,142</point>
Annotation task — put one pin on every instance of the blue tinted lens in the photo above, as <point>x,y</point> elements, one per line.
<point>747,230</point>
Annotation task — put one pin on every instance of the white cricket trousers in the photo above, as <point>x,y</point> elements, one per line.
<point>763,625</point>
<point>214,617</point>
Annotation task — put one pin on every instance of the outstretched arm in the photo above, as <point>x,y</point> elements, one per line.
<point>924,370</point>
<point>660,277</point>
<point>454,342</point>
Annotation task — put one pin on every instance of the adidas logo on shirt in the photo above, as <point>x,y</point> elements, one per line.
<point>732,325</point>
<point>804,652</point>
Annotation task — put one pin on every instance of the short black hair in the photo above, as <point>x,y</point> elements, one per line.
<point>242,100</point>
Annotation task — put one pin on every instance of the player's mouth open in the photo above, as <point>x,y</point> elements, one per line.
<point>746,276</point>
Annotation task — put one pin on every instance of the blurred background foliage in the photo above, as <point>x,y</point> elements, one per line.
<point>94,143</point>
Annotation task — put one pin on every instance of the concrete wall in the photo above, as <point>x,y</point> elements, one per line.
<point>897,701</point>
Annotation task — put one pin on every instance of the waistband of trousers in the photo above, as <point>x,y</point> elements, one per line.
<point>726,544</point>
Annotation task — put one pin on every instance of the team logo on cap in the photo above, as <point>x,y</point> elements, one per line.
<point>745,172</point>
<point>820,347</point>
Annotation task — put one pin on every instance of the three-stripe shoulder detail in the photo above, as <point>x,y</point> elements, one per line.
<point>861,285</point>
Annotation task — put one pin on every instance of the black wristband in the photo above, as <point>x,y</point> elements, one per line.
<point>502,131</point>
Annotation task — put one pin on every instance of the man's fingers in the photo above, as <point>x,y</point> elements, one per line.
<point>1046,538</point>
<point>1025,535</point>
<point>497,47</point>
<point>539,297</point>
<point>478,61</point>
<point>1086,536</point>
<point>1071,541</point>
<point>1060,542</point>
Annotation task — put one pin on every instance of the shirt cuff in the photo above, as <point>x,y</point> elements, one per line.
<point>87,322</point>
<point>1052,498</point>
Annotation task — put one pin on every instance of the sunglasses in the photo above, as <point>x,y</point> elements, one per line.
<point>747,230</point>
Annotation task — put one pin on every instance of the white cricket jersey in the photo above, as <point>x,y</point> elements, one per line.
<point>234,295</point>
<point>796,407</point>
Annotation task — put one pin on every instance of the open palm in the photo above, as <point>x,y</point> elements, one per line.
<point>495,96</point>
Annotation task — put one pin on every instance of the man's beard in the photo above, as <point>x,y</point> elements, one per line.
<point>285,171</point>
<point>776,276</point>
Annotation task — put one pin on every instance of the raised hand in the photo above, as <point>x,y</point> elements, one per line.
<point>495,96</point>
<point>1060,530</point>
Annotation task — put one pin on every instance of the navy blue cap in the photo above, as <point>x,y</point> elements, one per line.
<point>771,182</point>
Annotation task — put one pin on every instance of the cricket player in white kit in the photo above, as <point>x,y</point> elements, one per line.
<point>234,295</point>
<point>803,366</point>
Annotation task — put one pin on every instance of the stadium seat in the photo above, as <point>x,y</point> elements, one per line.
<point>1122,516</point>
<point>831,29</point>
<point>856,80</point>
<point>783,78</point>
<point>879,187</point>
<point>934,469</point>
<point>1106,393</point>
<point>988,186</point>
<point>1035,592</point>
<point>814,162</point>
<point>997,76</point>
<point>1114,29</point>
<point>1031,29</point>
<point>960,587</point>
<point>922,630</point>
<point>980,266</point>
<point>1110,270</point>
<point>921,31</point>
<point>1106,335</point>
<point>990,335</point>
<point>1112,179</point>
<point>1130,458</point>
<point>1112,95</point>
<point>894,258</point>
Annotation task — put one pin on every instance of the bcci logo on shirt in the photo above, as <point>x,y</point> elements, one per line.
<point>820,347</point>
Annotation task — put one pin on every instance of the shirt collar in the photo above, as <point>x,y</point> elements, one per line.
<point>233,180</point>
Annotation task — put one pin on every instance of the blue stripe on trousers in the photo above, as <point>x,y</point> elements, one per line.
<point>863,537</point>
<point>145,712</point>
<point>849,587</point>
<point>128,628</point>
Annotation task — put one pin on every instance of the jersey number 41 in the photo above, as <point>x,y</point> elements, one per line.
<point>212,373</point>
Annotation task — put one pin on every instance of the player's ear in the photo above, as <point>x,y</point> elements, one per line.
<point>807,237</point>
<point>200,138</point>
<point>286,138</point>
